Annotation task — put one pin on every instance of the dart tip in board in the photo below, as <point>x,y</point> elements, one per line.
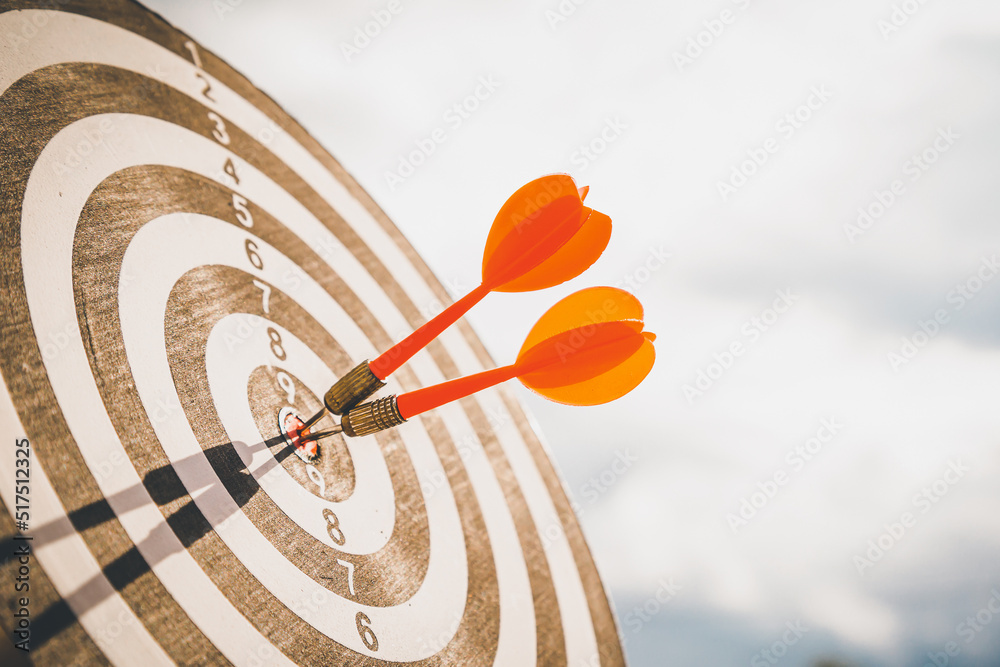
<point>295,432</point>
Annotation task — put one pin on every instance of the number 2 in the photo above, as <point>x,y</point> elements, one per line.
<point>208,87</point>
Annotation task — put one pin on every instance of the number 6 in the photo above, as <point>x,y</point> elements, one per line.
<point>366,632</point>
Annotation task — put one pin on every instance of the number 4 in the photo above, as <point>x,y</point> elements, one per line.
<point>230,170</point>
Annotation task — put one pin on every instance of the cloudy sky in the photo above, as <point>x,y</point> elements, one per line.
<point>805,199</point>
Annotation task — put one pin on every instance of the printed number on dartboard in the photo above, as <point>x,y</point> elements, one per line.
<point>365,630</point>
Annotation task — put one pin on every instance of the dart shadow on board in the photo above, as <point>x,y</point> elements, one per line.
<point>187,522</point>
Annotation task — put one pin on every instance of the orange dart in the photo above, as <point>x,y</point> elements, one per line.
<point>588,349</point>
<point>542,236</point>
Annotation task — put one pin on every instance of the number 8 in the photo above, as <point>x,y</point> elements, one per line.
<point>333,528</point>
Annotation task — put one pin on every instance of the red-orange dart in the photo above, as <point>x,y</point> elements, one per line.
<point>542,236</point>
<point>587,349</point>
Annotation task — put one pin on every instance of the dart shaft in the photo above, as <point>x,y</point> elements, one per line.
<point>415,402</point>
<point>326,434</point>
<point>390,360</point>
<point>312,420</point>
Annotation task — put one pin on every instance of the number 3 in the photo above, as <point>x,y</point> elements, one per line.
<point>219,132</point>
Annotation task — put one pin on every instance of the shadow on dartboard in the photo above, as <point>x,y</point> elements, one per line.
<point>165,487</point>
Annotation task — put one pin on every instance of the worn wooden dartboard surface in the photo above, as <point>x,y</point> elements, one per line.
<point>180,261</point>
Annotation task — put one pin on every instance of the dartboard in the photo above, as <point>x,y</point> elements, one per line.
<point>181,263</point>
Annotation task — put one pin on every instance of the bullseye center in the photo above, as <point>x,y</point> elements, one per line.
<point>291,425</point>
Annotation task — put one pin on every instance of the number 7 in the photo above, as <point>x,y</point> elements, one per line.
<point>265,299</point>
<point>350,573</point>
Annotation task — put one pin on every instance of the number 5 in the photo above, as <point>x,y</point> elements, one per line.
<point>243,214</point>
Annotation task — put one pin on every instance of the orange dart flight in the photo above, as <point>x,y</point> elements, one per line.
<point>588,349</point>
<point>543,236</point>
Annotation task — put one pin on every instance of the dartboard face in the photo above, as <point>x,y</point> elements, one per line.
<point>182,268</point>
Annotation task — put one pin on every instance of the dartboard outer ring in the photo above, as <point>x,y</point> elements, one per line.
<point>179,261</point>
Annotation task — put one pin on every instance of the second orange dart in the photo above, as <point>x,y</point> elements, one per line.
<point>588,349</point>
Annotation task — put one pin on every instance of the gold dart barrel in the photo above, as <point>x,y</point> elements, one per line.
<point>348,391</point>
<point>372,417</point>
